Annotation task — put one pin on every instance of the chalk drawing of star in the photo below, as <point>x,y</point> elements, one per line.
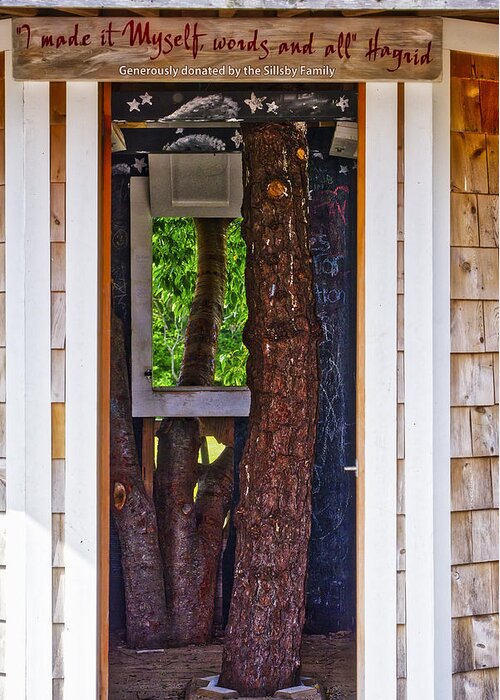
<point>140,164</point>
<point>134,105</point>
<point>272,107</point>
<point>317,154</point>
<point>180,130</point>
<point>237,139</point>
<point>146,99</point>
<point>343,103</point>
<point>255,102</point>
<point>343,170</point>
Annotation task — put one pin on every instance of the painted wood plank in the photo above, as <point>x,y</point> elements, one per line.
<point>471,484</point>
<point>15,660</point>
<point>491,330</point>
<point>474,273</point>
<point>441,380</point>
<point>58,430</point>
<point>492,157</point>
<point>401,487</point>
<point>475,38</point>
<point>80,644</point>
<point>484,530</point>
<point>3,606</point>
<point>473,590</point>
<point>472,379</point>
<point>58,267</point>
<point>57,151</point>
<point>461,538</point>
<point>488,220</point>
<point>3,370</point>
<point>475,643</point>
<point>58,595</point>
<point>58,638</point>
<point>475,685</point>
<point>58,320</point>
<point>58,485</point>
<point>467,326</point>
<point>465,105</point>
<point>484,431</point>
<point>464,219</point>
<point>3,472</point>
<point>58,376</point>
<point>488,90</point>
<point>494,480</point>
<point>57,211</point>
<point>380,391</point>
<point>58,538</point>
<point>38,409</point>
<point>469,171</point>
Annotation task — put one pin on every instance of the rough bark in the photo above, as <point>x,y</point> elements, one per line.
<point>191,532</point>
<point>134,515</point>
<point>262,646</point>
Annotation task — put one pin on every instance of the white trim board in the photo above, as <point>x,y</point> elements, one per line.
<point>379,565</point>
<point>82,225</point>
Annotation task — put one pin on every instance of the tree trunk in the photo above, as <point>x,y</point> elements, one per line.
<point>134,515</point>
<point>191,532</point>
<point>262,647</point>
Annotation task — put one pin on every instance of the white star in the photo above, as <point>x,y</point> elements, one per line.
<point>255,102</point>
<point>146,99</point>
<point>343,170</point>
<point>272,107</point>
<point>343,103</point>
<point>317,154</point>
<point>180,130</point>
<point>237,139</point>
<point>140,164</point>
<point>134,105</point>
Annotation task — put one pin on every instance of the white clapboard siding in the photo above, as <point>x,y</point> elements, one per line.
<point>80,637</point>
<point>379,585</point>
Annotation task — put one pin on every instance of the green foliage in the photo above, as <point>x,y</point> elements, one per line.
<point>174,279</point>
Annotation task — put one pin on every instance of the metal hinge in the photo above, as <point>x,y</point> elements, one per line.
<point>352,469</point>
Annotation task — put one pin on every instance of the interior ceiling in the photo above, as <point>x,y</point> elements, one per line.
<point>475,14</point>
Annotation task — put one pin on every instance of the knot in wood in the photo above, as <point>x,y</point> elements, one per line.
<point>277,189</point>
<point>301,154</point>
<point>187,508</point>
<point>119,495</point>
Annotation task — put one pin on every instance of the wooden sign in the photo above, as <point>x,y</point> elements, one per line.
<point>235,50</point>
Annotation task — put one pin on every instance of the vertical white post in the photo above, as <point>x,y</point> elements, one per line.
<point>380,392</point>
<point>29,541</point>
<point>419,390</point>
<point>38,408</point>
<point>15,663</point>
<point>80,644</point>
<point>441,376</point>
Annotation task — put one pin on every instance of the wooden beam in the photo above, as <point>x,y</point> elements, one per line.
<point>402,5</point>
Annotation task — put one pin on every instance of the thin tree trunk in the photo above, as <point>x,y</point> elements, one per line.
<point>134,515</point>
<point>191,532</point>
<point>262,646</point>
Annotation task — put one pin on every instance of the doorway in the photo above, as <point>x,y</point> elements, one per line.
<point>331,579</point>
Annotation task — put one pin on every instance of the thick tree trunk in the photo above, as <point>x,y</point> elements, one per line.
<point>191,532</point>
<point>134,515</point>
<point>262,647</point>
